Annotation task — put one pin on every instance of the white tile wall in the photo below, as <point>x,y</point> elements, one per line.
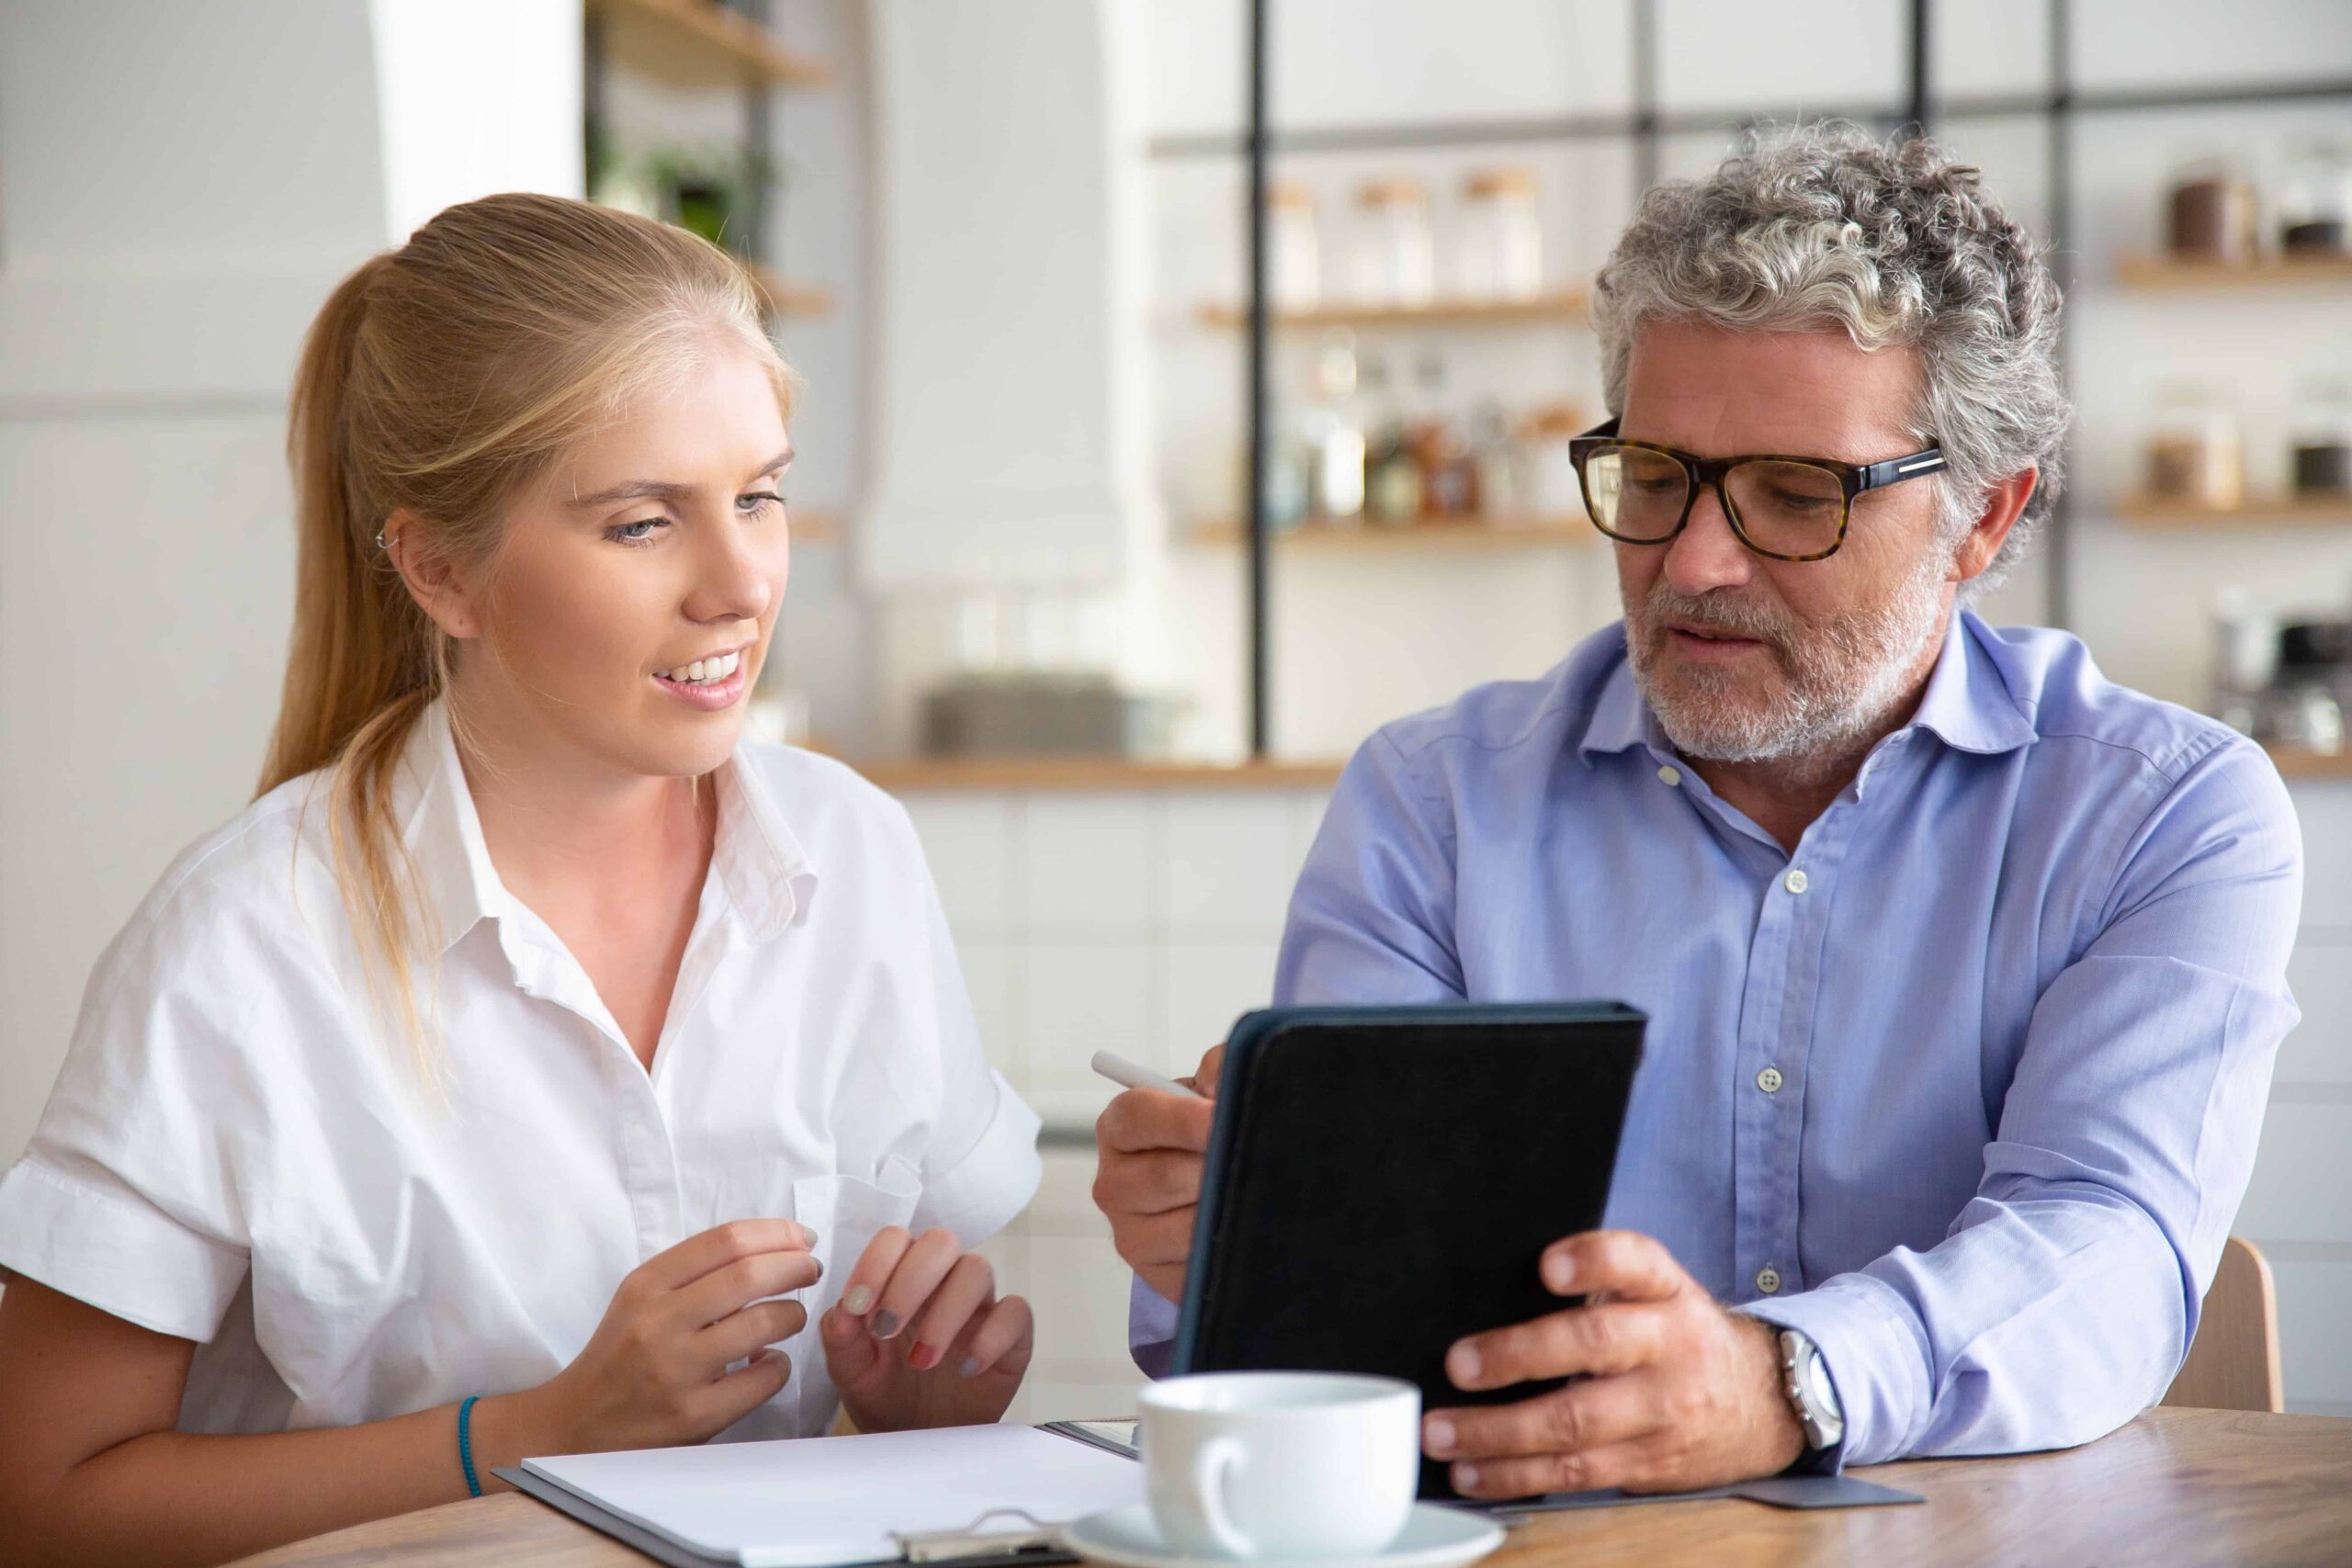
<point>1089,996</point>
<point>2320,1050</point>
<point>1231,860</point>
<point>2299,1206</point>
<point>968,840</point>
<point>1142,922</point>
<point>2300,1188</point>
<point>1209,986</point>
<point>2314,1353</point>
<point>1092,863</point>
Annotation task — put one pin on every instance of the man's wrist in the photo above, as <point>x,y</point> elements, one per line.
<point>1783,1439</point>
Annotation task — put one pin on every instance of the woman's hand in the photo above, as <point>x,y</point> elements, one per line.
<point>654,1373</point>
<point>920,1339</point>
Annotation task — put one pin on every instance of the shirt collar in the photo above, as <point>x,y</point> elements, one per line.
<point>1968,703</point>
<point>1620,720</point>
<point>767,875</point>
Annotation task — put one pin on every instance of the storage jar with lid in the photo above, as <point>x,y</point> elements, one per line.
<point>2316,202</point>
<point>2213,214</point>
<point>2194,455</point>
<point>1295,257</point>
<point>1501,238</point>
<point>1394,256</point>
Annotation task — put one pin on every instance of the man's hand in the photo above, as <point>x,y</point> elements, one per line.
<point>1680,1394</point>
<point>1148,1177</point>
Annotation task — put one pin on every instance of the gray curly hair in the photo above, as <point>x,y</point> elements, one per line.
<point>1823,224</point>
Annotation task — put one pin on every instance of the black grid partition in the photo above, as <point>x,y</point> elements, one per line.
<point>1643,129</point>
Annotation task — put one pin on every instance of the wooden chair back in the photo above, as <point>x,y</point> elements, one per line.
<point>2234,1365</point>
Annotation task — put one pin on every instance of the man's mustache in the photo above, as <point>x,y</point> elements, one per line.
<point>1731,617</point>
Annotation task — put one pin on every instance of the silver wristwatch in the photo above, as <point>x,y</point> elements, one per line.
<point>1806,1378</point>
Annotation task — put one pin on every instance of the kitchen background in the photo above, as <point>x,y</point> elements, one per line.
<point>1006,242</point>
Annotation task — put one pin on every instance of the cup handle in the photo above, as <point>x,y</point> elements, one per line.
<point>1211,1462</point>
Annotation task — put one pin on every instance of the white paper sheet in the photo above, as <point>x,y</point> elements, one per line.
<point>813,1502</point>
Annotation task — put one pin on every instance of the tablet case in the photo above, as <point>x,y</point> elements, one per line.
<point>1381,1181</point>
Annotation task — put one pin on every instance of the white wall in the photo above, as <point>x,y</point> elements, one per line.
<point>2298,1208</point>
<point>180,187</point>
<point>1140,921</point>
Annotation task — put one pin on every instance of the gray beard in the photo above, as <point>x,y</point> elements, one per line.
<point>1845,679</point>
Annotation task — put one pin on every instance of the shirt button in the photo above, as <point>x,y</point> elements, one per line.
<point>1669,776</point>
<point>1795,882</point>
<point>1770,1080</point>
<point>1767,1279</point>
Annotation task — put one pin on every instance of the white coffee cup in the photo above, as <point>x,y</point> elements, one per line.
<point>1280,1464</point>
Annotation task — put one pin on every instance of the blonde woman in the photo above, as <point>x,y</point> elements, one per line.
<point>537,1066</point>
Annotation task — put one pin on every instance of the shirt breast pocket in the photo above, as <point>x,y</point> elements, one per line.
<point>847,1213</point>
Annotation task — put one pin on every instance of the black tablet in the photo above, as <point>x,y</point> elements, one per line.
<point>1381,1181</point>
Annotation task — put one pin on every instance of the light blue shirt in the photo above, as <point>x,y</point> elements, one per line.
<point>1967,1088</point>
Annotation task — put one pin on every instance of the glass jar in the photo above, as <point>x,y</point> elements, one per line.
<point>2214,211</point>
<point>1295,260</point>
<point>2194,455</point>
<point>1335,434</point>
<point>2320,440</point>
<point>2316,202</point>
<point>1395,255</point>
<point>1501,241</point>
<point>2246,655</point>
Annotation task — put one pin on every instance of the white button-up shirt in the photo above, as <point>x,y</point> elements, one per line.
<point>237,1152</point>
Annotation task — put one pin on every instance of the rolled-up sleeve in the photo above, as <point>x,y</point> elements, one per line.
<point>132,1195</point>
<point>2064,1294</point>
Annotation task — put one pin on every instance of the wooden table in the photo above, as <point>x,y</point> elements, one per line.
<point>2187,1486</point>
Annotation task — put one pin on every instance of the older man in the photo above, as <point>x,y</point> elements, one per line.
<point>1964,966</point>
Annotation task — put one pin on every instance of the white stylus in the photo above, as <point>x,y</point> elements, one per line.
<point>1126,1074</point>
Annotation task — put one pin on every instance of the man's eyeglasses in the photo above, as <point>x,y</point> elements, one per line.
<point>1786,508</point>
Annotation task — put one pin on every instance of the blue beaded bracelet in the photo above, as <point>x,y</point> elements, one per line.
<point>465,1442</point>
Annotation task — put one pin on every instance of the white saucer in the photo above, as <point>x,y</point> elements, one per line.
<point>1433,1537</point>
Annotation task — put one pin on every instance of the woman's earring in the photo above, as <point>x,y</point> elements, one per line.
<point>381,543</point>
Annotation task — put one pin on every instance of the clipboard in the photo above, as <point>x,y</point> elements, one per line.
<point>1420,1158</point>
<point>981,1539</point>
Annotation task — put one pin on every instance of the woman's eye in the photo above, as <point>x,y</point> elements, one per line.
<point>760,501</point>
<point>636,533</point>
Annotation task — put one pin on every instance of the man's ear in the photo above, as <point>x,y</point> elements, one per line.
<point>431,579</point>
<point>2004,503</point>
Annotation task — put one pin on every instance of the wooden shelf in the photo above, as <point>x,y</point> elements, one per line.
<point>699,43</point>
<point>2180,271</point>
<point>917,774</point>
<point>1439,532</point>
<point>787,297</point>
<point>2294,763</point>
<point>1572,305</point>
<point>2157,510</point>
